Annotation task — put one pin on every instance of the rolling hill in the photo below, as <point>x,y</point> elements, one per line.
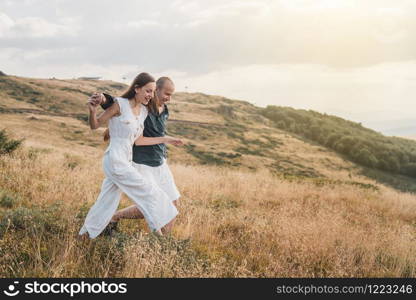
<point>218,131</point>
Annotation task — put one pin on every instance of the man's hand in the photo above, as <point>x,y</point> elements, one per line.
<point>178,143</point>
<point>174,141</point>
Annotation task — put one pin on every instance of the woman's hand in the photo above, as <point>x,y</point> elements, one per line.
<point>97,98</point>
<point>103,118</point>
<point>92,104</point>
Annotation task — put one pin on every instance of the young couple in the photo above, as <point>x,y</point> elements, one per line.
<point>135,160</point>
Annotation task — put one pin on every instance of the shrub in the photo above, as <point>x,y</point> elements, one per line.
<point>7,200</point>
<point>8,145</point>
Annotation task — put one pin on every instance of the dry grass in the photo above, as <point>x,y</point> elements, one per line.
<point>280,228</point>
<point>231,224</point>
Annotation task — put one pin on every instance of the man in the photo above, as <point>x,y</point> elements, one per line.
<point>149,160</point>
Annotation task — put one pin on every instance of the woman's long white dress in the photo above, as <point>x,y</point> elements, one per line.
<point>121,176</point>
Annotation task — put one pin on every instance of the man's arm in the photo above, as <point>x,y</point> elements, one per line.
<point>109,100</point>
<point>148,141</point>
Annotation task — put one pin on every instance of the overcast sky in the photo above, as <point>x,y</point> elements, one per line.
<point>353,58</point>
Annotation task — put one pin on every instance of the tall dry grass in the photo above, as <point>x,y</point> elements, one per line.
<point>231,224</point>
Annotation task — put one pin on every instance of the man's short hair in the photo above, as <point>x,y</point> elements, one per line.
<point>161,82</point>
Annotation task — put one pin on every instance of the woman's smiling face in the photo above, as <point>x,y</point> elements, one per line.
<point>145,93</point>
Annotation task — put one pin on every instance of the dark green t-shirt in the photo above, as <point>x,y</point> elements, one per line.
<point>154,126</point>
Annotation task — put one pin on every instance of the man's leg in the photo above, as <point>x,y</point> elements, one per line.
<point>132,212</point>
<point>167,229</point>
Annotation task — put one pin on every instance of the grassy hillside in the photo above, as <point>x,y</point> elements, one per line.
<point>360,144</point>
<point>257,200</point>
<point>223,132</point>
<point>218,131</point>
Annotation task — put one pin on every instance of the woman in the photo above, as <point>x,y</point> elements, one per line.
<point>126,123</point>
<point>149,160</point>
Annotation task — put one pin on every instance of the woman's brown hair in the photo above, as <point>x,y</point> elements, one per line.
<point>140,81</point>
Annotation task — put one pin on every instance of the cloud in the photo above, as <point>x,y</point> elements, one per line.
<point>343,56</point>
<point>367,94</point>
<point>200,37</point>
<point>31,63</point>
<point>32,27</point>
<point>5,23</point>
<point>142,24</point>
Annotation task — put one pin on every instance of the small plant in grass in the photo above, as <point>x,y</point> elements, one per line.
<point>8,145</point>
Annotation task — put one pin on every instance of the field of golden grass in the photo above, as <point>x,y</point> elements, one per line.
<point>232,223</point>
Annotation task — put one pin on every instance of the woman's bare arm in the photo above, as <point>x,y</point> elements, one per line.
<point>94,121</point>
